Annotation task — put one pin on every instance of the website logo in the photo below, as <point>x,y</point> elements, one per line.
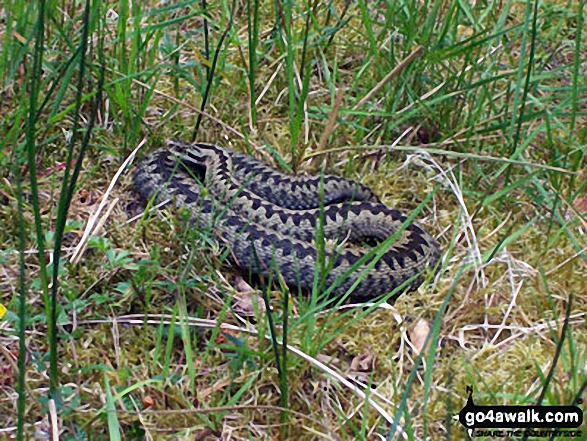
<point>478,419</point>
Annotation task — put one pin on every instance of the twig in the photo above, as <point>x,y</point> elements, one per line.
<point>331,122</point>
<point>398,68</point>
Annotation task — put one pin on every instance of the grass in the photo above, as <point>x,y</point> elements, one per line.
<point>471,115</point>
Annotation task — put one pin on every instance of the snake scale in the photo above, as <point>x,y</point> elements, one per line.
<point>269,220</point>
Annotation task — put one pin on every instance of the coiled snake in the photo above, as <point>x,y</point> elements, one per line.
<point>270,221</point>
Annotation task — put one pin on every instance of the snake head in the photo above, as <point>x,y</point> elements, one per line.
<point>195,153</point>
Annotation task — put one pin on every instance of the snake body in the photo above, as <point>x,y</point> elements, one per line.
<point>270,221</point>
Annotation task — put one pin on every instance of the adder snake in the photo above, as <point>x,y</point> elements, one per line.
<point>270,220</point>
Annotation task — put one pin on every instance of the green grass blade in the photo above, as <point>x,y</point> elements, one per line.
<point>210,78</point>
<point>35,80</point>
<point>114,428</point>
<point>22,301</point>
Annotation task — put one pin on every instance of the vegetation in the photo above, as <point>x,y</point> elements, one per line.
<point>123,323</point>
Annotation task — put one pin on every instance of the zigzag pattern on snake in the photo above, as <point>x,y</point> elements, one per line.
<point>269,219</point>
